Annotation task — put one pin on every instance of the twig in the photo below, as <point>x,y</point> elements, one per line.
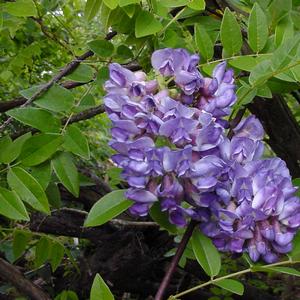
<point>12,275</point>
<point>172,267</point>
<point>251,269</point>
<point>50,35</point>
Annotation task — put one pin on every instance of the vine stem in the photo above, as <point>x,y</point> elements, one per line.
<point>212,281</point>
<point>172,267</point>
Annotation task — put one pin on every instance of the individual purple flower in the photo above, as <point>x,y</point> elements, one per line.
<point>170,61</point>
<point>250,128</point>
<point>218,93</point>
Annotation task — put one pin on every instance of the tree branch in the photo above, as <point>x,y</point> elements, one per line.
<point>12,275</point>
<point>86,114</point>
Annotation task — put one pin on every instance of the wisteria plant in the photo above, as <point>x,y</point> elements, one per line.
<point>174,141</point>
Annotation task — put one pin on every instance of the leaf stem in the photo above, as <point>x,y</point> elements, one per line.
<point>172,267</point>
<point>172,20</point>
<point>197,287</point>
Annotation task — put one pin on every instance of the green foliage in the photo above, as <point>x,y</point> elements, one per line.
<point>21,8</point>
<point>83,73</point>
<point>66,172</point>
<point>39,148</point>
<point>11,206</point>
<point>231,285</point>
<point>100,290</point>
<point>28,189</point>
<point>257,28</point>
<point>231,36</point>
<point>108,207</point>
<point>10,150</point>
<point>102,48</point>
<point>20,241</point>
<point>36,118</point>
<point>76,142</point>
<point>206,253</point>
<point>146,24</point>
<point>91,9</point>
<point>204,42</point>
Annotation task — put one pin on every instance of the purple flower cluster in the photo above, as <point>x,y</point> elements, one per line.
<point>173,149</point>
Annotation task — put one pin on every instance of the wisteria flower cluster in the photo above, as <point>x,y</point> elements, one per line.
<point>170,138</point>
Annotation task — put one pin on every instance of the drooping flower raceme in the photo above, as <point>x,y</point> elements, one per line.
<point>173,150</point>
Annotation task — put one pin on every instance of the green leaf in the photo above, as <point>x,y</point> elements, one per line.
<point>83,73</point>
<point>42,251</point>
<point>284,30</point>
<point>127,2</point>
<point>146,24</point>
<point>162,218</point>
<point>296,72</point>
<point>57,99</point>
<point>57,254</point>
<point>21,239</point>
<point>39,148</point>
<point>295,253</point>
<point>102,48</point>
<point>278,9</point>
<point>245,94</point>
<point>231,285</point>
<point>261,73</point>
<point>42,173</point>
<point>28,189</point>
<point>264,91</point>
<point>36,118</point>
<point>91,9</point>
<point>112,4</point>
<point>257,28</point>
<point>99,290</point>
<point>286,53</point>
<point>197,4</point>
<point>53,195</point>
<point>206,253</point>
<point>21,8</point>
<point>108,207</point>
<point>86,102</point>
<point>204,42</point>
<point>246,63</point>
<point>76,142</point>
<point>5,142</point>
<point>130,10</point>
<point>124,53</point>
<point>13,150</point>
<point>66,172</point>
<point>231,36</point>
<point>11,206</point>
